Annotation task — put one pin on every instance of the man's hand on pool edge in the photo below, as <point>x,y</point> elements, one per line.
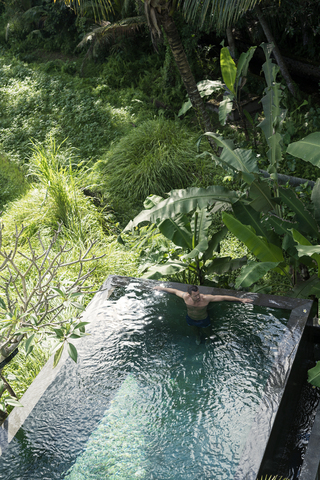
<point>246,300</point>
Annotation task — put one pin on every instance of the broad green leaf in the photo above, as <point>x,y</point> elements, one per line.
<point>314,375</point>
<point>76,294</point>
<point>28,343</point>
<point>243,62</point>
<point>225,107</point>
<point>152,200</point>
<point>200,223</point>
<point>72,352</point>
<point>261,197</point>
<point>268,65</point>
<point>306,288</point>
<point>236,158</point>
<point>299,238</point>
<point>308,250</point>
<point>264,251</point>
<point>59,333</point>
<point>59,290</point>
<point>81,324</point>
<point>13,402</point>
<point>76,335</point>
<point>306,220</point>
<point>228,69</point>
<point>169,268</point>
<point>281,227</point>
<point>184,201</point>
<point>78,306</point>
<point>275,153</point>
<point>214,243</point>
<point>57,356</point>
<point>252,272</point>
<point>289,245</point>
<point>308,149</point>
<point>274,114</point>
<point>223,265</point>
<point>177,230</point>
<point>315,198</point>
<point>248,216</point>
<point>185,107</point>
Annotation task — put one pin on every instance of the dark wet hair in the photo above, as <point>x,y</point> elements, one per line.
<point>192,288</point>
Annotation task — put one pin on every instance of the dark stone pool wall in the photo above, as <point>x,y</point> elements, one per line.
<point>311,464</point>
<point>281,457</point>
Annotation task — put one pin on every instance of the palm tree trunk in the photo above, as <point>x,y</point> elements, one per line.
<point>277,54</point>
<point>181,60</point>
<point>231,42</point>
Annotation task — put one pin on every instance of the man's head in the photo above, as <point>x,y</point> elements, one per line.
<point>194,293</point>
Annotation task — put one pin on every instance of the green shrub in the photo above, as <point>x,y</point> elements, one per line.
<point>154,158</point>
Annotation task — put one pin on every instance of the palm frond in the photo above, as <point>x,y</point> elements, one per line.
<point>101,8</point>
<point>223,12</point>
<point>109,32</point>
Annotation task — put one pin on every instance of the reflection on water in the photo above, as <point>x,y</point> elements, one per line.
<point>145,402</point>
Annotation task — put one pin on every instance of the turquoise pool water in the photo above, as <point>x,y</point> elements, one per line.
<point>145,402</point>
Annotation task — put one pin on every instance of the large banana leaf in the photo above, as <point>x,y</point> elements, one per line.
<point>177,230</point>
<point>225,107</point>
<point>268,65</point>
<point>280,226</point>
<point>264,251</point>
<point>200,223</point>
<point>184,201</point>
<point>236,158</point>
<point>302,244</point>
<point>261,196</point>
<point>169,268</point>
<point>247,215</point>
<point>306,220</point>
<point>274,114</point>
<point>309,287</point>
<point>228,69</point>
<point>224,265</point>
<point>308,149</point>
<point>243,63</point>
<point>252,272</point>
<point>314,375</point>
<point>214,243</point>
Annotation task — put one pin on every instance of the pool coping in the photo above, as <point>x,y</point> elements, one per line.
<point>255,447</point>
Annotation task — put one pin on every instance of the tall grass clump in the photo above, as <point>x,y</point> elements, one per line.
<point>157,156</point>
<point>55,197</point>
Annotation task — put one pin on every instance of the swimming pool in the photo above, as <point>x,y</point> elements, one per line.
<point>144,401</point>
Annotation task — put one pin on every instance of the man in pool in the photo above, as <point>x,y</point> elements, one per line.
<point>198,317</point>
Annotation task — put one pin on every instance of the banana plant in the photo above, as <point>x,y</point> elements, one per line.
<point>234,77</point>
<point>196,252</point>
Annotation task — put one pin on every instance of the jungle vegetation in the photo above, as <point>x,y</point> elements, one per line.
<point>104,168</point>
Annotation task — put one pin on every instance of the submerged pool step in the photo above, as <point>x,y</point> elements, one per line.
<point>115,449</point>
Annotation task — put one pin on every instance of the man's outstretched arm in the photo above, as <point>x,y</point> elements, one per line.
<point>175,291</point>
<point>227,298</point>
